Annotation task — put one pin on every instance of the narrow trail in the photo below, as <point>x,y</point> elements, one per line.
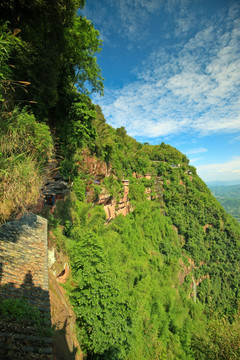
<point>194,289</point>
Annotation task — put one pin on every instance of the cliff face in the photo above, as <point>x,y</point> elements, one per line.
<point>90,164</point>
<point>99,170</point>
<point>112,207</point>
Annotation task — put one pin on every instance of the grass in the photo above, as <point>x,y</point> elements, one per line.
<point>25,146</point>
<point>20,184</point>
<point>19,310</point>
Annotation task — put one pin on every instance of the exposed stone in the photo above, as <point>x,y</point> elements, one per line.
<point>112,208</point>
<point>207,226</point>
<point>51,257</point>
<point>148,192</point>
<point>62,277</point>
<point>92,165</point>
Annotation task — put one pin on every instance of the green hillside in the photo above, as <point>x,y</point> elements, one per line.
<point>161,282</point>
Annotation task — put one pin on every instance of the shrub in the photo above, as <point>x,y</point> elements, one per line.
<point>24,149</point>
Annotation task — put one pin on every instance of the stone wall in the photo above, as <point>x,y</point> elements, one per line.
<point>23,251</point>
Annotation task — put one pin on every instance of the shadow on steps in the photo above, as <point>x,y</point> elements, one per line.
<point>25,326</point>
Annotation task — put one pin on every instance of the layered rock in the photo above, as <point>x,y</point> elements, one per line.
<point>92,165</point>
<point>113,208</point>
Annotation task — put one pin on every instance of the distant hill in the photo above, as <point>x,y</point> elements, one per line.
<point>222,183</point>
<point>229,197</point>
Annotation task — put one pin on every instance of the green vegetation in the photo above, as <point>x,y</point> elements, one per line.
<point>7,43</point>
<point>211,238</point>
<point>122,285</point>
<point>45,51</point>
<point>57,51</point>
<point>25,147</point>
<point>222,341</point>
<point>161,283</point>
<point>125,284</point>
<point>20,311</point>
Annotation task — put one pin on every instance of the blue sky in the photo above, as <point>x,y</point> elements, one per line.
<point>172,74</point>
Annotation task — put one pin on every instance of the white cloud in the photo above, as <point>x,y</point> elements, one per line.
<point>193,87</point>
<point>133,16</point>
<point>103,19</point>
<point>129,21</point>
<point>193,161</point>
<point>237,138</point>
<point>221,171</point>
<point>196,151</point>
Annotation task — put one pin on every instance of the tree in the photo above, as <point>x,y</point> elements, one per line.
<point>58,51</point>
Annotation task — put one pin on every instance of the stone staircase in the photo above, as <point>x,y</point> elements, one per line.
<point>24,275</point>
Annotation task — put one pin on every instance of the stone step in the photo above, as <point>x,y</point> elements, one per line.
<point>16,258</point>
<point>26,349</point>
<point>33,294</point>
<point>20,276</point>
<point>32,338</point>
<point>33,357</point>
<point>21,244</point>
<point>44,307</point>
<point>26,326</point>
<point>31,300</point>
<point>23,254</point>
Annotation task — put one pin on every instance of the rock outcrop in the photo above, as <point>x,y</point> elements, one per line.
<point>92,165</point>
<point>99,170</point>
<point>113,208</point>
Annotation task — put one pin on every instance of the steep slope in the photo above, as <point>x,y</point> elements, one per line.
<point>210,237</point>
<point>150,284</point>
